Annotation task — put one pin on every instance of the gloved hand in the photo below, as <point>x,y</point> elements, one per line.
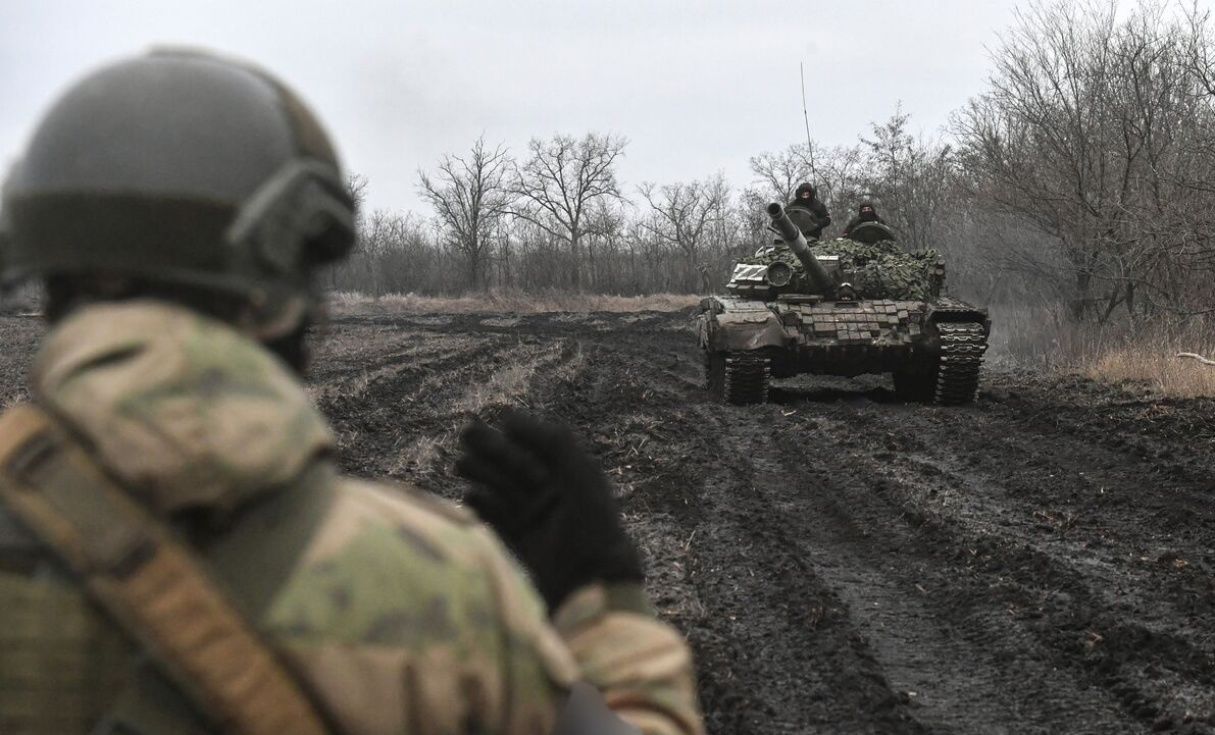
<point>550,502</point>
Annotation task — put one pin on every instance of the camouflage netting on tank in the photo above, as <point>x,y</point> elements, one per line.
<point>878,271</point>
<point>883,269</point>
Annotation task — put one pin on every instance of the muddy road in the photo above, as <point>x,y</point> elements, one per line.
<point>1040,562</point>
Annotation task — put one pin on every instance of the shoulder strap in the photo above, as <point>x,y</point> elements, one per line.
<point>18,549</point>
<point>146,580</point>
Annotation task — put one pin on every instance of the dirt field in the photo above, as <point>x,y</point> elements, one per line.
<point>1040,562</point>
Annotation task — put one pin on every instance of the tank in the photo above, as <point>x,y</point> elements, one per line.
<point>842,307</point>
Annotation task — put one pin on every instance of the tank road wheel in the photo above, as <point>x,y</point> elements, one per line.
<point>957,374</point>
<point>740,378</point>
<point>747,376</point>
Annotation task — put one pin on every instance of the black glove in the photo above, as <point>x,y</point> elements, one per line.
<point>550,502</point>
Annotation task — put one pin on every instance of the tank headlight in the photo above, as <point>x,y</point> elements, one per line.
<point>779,274</point>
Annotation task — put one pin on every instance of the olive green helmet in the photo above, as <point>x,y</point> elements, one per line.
<point>181,167</point>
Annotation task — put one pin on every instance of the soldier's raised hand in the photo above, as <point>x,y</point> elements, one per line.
<point>550,502</point>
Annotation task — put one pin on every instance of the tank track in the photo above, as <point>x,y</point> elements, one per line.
<point>740,378</point>
<point>962,348</point>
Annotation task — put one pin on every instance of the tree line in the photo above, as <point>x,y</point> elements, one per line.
<point>1083,175</point>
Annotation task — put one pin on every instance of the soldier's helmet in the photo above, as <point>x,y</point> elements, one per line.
<point>182,168</point>
<point>803,188</point>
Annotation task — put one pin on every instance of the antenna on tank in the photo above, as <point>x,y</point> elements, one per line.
<point>801,68</point>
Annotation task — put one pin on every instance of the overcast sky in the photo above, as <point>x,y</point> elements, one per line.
<point>696,87</point>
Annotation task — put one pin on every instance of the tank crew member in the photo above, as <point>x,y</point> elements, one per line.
<point>806,198</point>
<point>179,553</point>
<point>864,213</point>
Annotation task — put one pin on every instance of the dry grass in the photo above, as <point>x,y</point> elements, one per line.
<point>1145,352</point>
<point>511,385</point>
<point>512,302</point>
<point>1157,365</point>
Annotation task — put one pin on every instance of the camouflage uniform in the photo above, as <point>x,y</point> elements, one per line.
<point>179,184</point>
<point>400,612</point>
<point>819,213</point>
<point>865,213</point>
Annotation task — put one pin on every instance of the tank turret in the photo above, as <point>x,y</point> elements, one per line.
<point>820,280</point>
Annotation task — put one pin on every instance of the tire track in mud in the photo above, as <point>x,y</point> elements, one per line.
<point>993,637</point>
<point>1041,562</point>
<point>776,650</point>
<point>1124,635</point>
<point>791,586</point>
<point>780,618</point>
<point>845,563</point>
<point>966,664</point>
<point>375,419</point>
<point>400,416</point>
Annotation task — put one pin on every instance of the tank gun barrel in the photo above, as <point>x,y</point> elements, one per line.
<point>793,237</point>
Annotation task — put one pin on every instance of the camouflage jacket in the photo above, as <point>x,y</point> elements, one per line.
<point>818,209</point>
<point>400,612</point>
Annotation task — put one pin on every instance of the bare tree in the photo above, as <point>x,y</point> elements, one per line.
<point>604,233</point>
<point>779,173</point>
<point>1082,172</point>
<point>561,180</point>
<point>836,174</point>
<point>356,188</point>
<point>909,179</point>
<point>1094,131</point>
<point>470,195</point>
<point>392,254</point>
<point>686,213</point>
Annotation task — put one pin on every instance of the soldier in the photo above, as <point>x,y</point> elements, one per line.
<point>178,553</point>
<point>806,198</point>
<point>865,212</point>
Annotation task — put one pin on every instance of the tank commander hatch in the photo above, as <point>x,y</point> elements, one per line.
<point>865,212</point>
<point>806,200</point>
